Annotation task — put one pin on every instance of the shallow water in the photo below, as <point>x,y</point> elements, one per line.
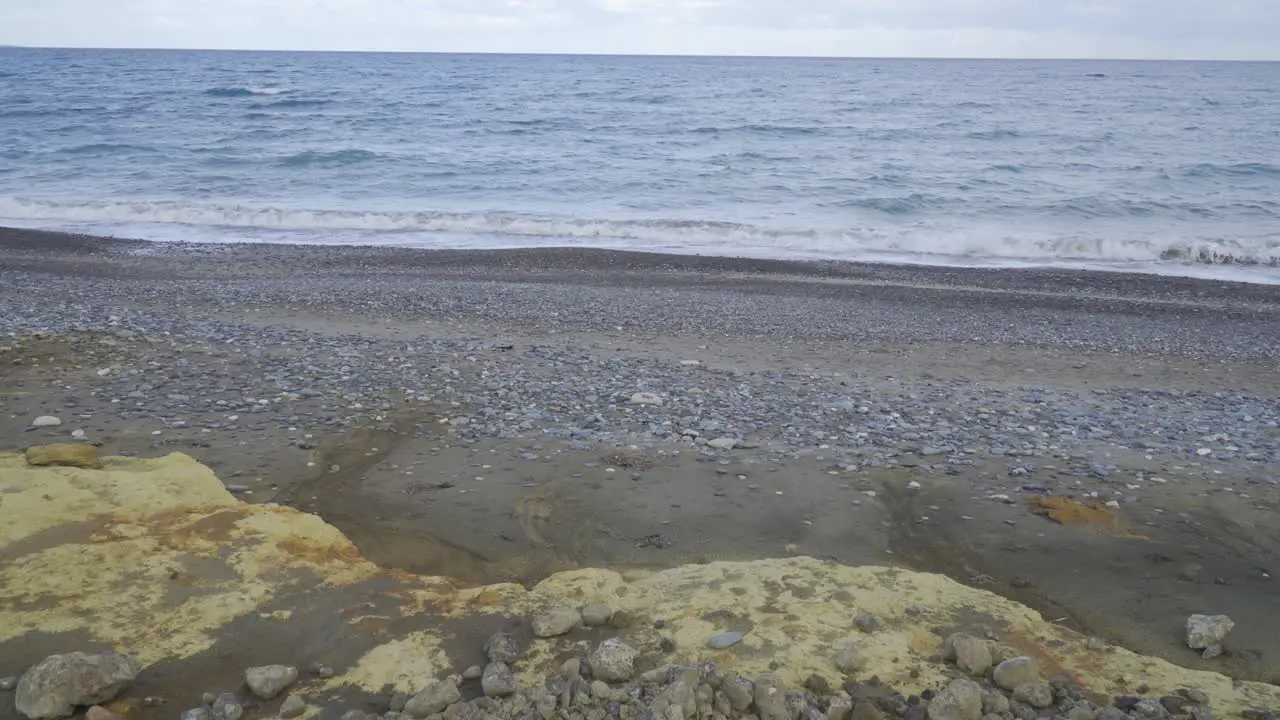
<point>1165,167</point>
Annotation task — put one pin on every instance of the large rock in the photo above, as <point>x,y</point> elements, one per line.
<point>58,684</point>
<point>1035,694</point>
<point>1016,672</point>
<point>269,681</point>
<point>973,655</point>
<point>771,701</point>
<point>613,661</point>
<point>555,621</point>
<point>1207,630</point>
<point>498,680</point>
<point>78,455</point>
<point>960,700</point>
<point>434,698</point>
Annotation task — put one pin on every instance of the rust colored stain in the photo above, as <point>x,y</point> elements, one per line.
<point>487,598</point>
<point>1066,511</point>
<point>309,551</point>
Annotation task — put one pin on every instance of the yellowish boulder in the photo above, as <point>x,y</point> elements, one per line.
<point>76,455</point>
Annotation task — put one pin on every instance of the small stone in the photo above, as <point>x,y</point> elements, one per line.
<point>1016,672</point>
<point>724,443</point>
<point>724,640</point>
<point>771,701</point>
<point>817,684</point>
<point>1204,631</point>
<point>572,668</point>
<point>227,707</point>
<point>866,622</point>
<point>1174,703</point>
<point>322,671</point>
<point>596,615</point>
<point>46,421</point>
<point>973,656</point>
<point>850,659</point>
<point>646,398</point>
<point>56,685</point>
<point>1195,695</point>
<point>268,681</point>
<point>78,435</point>
<point>97,712</point>
<point>1036,694</point>
<point>864,710</point>
<point>1211,652</point>
<point>77,455</point>
<point>498,680</point>
<point>475,672</point>
<point>613,661</point>
<point>840,708</point>
<point>555,621</point>
<point>501,647</point>
<point>292,707</point>
<point>960,700</point>
<point>397,702</point>
<point>740,691</point>
<point>995,702</point>
<point>1082,712</point>
<point>200,713</point>
<point>8,684</point>
<point>432,699</point>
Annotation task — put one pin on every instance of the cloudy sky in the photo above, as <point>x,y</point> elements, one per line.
<point>1228,29</point>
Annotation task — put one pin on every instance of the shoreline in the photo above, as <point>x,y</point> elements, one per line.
<point>501,416</point>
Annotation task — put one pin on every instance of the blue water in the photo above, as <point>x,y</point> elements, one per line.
<point>1168,167</point>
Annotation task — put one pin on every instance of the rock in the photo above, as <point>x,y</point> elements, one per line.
<point>78,455</point>
<point>850,659</point>
<point>1211,652</point>
<point>960,700</point>
<point>78,434</point>
<point>1206,630</point>
<point>1082,712</point>
<point>771,701</point>
<point>866,622</point>
<point>646,398</point>
<point>8,684</point>
<point>56,685</point>
<point>1195,695</point>
<point>292,707</point>
<point>432,699</point>
<point>97,712</point>
<point>200,713</point>
<point>572,668</point>
<point>501,647</point>
<point>973,655</point>
<point>995,702</point>
<point>46,421</point>
<point>475,672</point>
<point>1036,694</point>
<point>498,680</point>
<point>740,691</point>
<point>321,670</point>
<point>596,615</point>
<point>268,681</point>
<point>724,640</point>
<point>840,709</point>
<point>227,707</point>
<point>724,443</point>
<point>865,710</point>
<point>613,661</point>
<point>555,622</point>
<point>1016,672</point>
<point>818,685</point>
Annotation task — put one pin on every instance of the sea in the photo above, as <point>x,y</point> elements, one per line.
<point>1153,167</point>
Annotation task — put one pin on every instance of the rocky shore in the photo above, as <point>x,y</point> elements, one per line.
<point>1099,447</point>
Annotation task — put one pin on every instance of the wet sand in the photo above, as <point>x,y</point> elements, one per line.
<point>441,486</point>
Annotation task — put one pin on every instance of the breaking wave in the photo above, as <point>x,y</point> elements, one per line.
<point>231,92</point>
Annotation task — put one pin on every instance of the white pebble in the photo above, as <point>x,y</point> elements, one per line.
<point>46,421</point>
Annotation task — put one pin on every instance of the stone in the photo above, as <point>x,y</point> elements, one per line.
<point>200,713</point>
<point>850,659</point>
<point>1207,630</point>
<point>646,398</point>
<point>866,622</point>
<point>1016,672</point>
<point>596,615</point>
<point>817,684</point>
<point>1211,652</point>
<point>724,443</point>
<point>77,455</point>
<point>97,712</point>
<point>740,691</point>
<point>771,702</point>
<point>866,710</point>
<point>56,685</point>
<point>840,708</point>
<point>268,681</point>
<point>475,672</point>
<point>501,647</point>
<point>973,655</point>
<point>7,684</point>
<point>1036,694</point>
<point>498,680</point>
<point>46,421</point>
<point>555,621</point>
<point>960,700</point>
<point>432,699</point>
<point>724,640</point>
<point>1082,712</point>
<point>227,707</point>
<point>613,661</point>
<point>995,702</point>
<point>292,707</point>
<point>1195,695</point>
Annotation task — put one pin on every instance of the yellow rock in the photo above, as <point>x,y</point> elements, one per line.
<point>77,455</point>
<point>157,558</point>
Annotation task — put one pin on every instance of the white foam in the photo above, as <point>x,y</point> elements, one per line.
<point>1247,259</point>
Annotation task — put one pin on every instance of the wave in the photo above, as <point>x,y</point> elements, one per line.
<point>290,103</point>
<point>1204,170</point>
<point>337,158</point>
<point>996,134</point>
<point>510,229</point>
<point>101,148</point>
<point>232,92</point>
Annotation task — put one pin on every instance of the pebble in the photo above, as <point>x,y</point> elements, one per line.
<point>268,681</point>
<point>46,421</point>
<point>724,640</point>
<point>555,621</point>
<point>292,707</point>
<point>596,614</point>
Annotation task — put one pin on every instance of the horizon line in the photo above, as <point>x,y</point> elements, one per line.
<point>4,46</point>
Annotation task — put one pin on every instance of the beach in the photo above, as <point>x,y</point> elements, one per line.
<point>1099,446</point>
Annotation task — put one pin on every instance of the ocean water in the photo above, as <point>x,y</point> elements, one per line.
<point>1166,167</point>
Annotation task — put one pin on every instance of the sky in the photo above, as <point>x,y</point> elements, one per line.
<point>1184,29</point>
